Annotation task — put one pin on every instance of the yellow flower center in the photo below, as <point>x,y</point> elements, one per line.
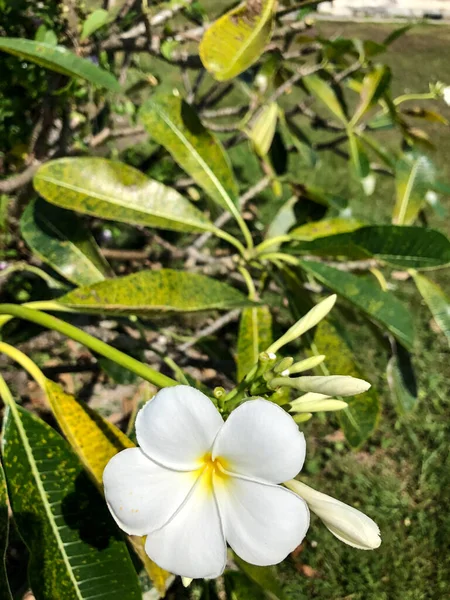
<point>212,470</point>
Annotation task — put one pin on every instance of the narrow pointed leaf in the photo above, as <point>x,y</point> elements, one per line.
<point>359,157</point>
<point>263,129</point>
<point>437,301</point>
<point>175,125</point>
<point>61,240</point>
<point>255,335</point>
<point>414,175</point>
<point>383,307</point>
<point>324,229</point>
<point>360,419</point>
<point>5,592</point>
<point>325,93</point>
<point>373,87</point>
<point>283,220</point>
<point>402,381</point>
<point>96,441</point>
<point>61,60</point>
<point>236,40</point>
<point>95,20</point>
<point>75,550</point>
<point>400,247</point>
<point>149,292</point>
<point>112,190</point>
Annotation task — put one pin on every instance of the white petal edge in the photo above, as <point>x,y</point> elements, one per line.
<point>260,440</point>
<point>142,495</point>
<point>192,543</point>
<point>177,427</point>
<point>262,522</point>
<point>348,524</point>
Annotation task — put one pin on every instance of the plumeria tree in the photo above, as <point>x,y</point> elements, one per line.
<point>177,165</point>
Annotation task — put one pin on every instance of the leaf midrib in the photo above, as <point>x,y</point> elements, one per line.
<point>408,191</point>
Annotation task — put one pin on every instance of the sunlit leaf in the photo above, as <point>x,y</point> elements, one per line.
<point>414,175</point>
<point>401,247</point>
<point>173,123</point>
<point>61,240</point>
<point>437,301</point>
<point>383,307</point>
<point>325,93</point>
<point>236,40</point>
<point>402,380</point>
<point>255,335</point>
<point>5,592</point>
<point>96,441</point>
<point>61,60</point>
<point>265,577</point>
<point>75,549</point>
<point>263,129</point>
<point>283,220</point>
<point>359,157</point>
<point>324,228</point>
<point>95,20</point>
<point>148,292</point>
<point>360,419</point>
<point>112,190</point>
<point>373,86</point>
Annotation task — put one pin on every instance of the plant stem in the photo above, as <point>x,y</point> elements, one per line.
<point>279,239</point>
<point>281,256</point>
<point>249,282</point>
<point>89,341</point>
<point>25,362</point>
<point>231,240</point>
<point>39,305</point>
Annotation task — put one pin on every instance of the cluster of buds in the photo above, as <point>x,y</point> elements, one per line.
<point>274,377</point>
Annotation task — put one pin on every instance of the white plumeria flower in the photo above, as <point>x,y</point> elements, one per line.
<point>197,483</point>
<point>348,524</point>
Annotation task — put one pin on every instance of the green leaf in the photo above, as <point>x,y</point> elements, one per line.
<point>173,123</point>
<point>149,292</point>
<point>61,240</point>
<point>75,550</point>
<point>283,220</point>
<point>325,93</point>
<point>263,129</point>
<point>95,20</point>
<point>402,381</point>
<point>400,247</point>
<point>365,294</point>
<point>360,419</point>
<point>414,174</point>
<point>359,157</point>
<point>96,441</point>
<point>437,301</point>
<point>255,335</point>
<point>5,591</point>
<point>240,587</point>
<point>61,60</point>
<point>236,40</point>
<point>321,196</point>
<point>112,190</point>
<point>265,577</point>
<point>373,87</point>
<point>324,228</point>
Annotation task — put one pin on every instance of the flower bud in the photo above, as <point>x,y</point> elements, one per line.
<point>348,524</point>
<point>302,418</point>
<point>307,364</point>
<point>324,405</point>
<point>316,314</point>
<point>283,365</point>
<point>334,385</point>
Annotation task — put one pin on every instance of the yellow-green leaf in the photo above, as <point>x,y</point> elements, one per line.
<point>360,419</point>
<point>373,86</point>
<point>414,175</point>
<point>402,381</point>
<point>94,21</point>
<point>255,335</point>
<point>325,93</point>
<point>148,292</point>
<point>61,60</point>
<point>236,40</point>
<point>61,240</point>
<point>437,301</point>
<point>5,592</point>
<point>112,190</point>
<point>324,228</point>
<point>174,124</point>
<point>96,441</point>
<point>263,129</point>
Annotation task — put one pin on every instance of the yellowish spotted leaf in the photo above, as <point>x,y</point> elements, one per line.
<point>263,129</point>
<point>96,441</point>
<point>236,40</point>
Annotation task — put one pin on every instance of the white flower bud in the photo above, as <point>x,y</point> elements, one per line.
<point>307,364</point>
<point>335,385</point>
<point>324,405</point>
<point>308,321</point>
<point>348,524</point>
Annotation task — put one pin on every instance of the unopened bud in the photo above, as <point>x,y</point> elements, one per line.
<point>283,365</point>
<point>219,392</point>
<point>335,385</point>
<point>302,418</point>
<point>307,364</point>
<point>316,314</point>
<point>326,405</point>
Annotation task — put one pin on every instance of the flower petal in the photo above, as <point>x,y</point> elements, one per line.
<point>348,524</point>
<point>192,543</point>
<point>177,428</point>
<point>260,440</point>
<point>263,523</point>
<point>141,495</point>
